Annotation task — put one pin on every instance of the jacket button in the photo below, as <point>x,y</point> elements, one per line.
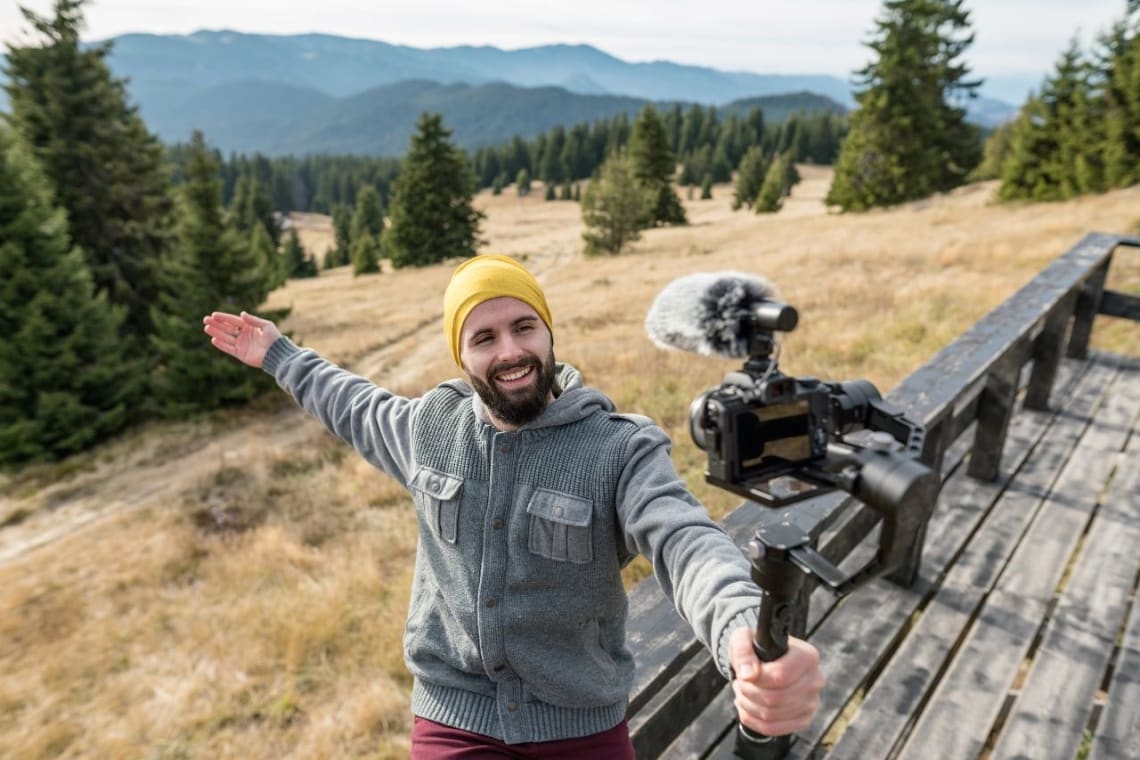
<point>500,668</point>
<point>497,525</point>
<point>505,449</point>
<point>558,511</point>
<point>512,706</point>
<point>492,602</point>
<point>433,485</point>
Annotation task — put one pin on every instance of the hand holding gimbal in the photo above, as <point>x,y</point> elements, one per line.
<point>778,439</point>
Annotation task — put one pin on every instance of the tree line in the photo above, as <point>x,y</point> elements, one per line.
<point>1080,132</point>
<point>111,252</point>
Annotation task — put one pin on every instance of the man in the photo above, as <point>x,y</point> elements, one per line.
<point>532,494</point>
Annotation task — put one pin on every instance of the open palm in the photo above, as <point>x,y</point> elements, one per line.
<point>243,336</point>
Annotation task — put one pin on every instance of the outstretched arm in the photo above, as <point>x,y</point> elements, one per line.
<point>243,336</point>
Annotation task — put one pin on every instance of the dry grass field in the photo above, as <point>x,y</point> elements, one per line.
<point>235,586</point>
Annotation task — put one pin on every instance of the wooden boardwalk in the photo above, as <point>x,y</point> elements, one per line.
<point>1021,638</point>
<point>1020,635</point>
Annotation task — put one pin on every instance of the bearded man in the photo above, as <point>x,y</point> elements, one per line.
<point>532,493</point>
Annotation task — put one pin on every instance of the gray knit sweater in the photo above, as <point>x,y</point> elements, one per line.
<point>516,627</point>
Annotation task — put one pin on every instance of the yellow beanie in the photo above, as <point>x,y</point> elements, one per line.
<point>480,279</point>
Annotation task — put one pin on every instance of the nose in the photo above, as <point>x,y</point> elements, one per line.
<point>510,349</point>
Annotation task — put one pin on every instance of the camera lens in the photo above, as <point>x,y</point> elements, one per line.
<point>700,427</point>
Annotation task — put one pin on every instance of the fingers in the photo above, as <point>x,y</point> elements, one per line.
<point>254,321</point>
<point>741,655</point>
<point>783,695</point>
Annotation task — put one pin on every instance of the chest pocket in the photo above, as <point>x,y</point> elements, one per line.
<point>560,526</point>
<point>437,495</point>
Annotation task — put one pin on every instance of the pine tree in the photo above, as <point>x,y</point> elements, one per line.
<point>750,177</point>
<point>614,207</point>
<point>341,252</point>
<point>432,216</point>
<point>706,188</point>
<point>365,255</point>
<point>1119,66</point>
<point>654,166</point>
<point>105,168</point>
<point>212,268</point>
<point>771,195</point>
<point>909,137</point>
<point>522,183</point>
<point>65,379</point>
<point>298,263</point>
<point>368,217</point>
<point>271,263</point>
<point>1057,141</point>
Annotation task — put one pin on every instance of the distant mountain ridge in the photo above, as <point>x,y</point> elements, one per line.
<point>315,93</point>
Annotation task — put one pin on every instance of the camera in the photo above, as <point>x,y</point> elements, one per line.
<point>778,439</point>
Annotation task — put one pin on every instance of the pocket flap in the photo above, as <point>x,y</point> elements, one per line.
<point>561,508</point>
<point>436,484</point>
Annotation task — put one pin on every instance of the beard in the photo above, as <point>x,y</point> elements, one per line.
<point>523,406</point>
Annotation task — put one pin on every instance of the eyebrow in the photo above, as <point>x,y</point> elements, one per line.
<point>488,331</point>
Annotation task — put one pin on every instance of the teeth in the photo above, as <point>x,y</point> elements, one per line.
<point>517,374</point>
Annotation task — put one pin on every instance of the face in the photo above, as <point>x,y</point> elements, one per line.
<point>508,354</point>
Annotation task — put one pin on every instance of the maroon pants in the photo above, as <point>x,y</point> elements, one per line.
<point>433,741</point>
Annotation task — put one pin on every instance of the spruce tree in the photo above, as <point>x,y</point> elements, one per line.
<point>65,379</point>
<point>614,207</point>
<point>212,268</point>
<point>365,255</point>
<point>368,217</point>
<point>265,253</point>
<point>1057,141</point>
<point>522,183</point>
<point>909,137</point>
<point>771,195</point>
<point>1119,66</point>
<point>750,177</point>
<point>654,167</point>
<point>340,254</point>
<point>432,216</point>
<point>105,168</point>
<point>298,263</point>
<point>706,188</point>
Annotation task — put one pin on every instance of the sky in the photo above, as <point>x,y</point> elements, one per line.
<point>1016,41</point>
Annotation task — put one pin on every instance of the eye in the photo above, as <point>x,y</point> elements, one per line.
<point>525,327</point>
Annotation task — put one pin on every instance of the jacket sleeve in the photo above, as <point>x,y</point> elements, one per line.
<point>699,568</point>
<point>376,422</point>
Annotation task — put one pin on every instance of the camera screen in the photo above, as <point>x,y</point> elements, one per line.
<point>780,430</point>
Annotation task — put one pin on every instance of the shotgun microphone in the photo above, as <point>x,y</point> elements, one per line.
<point>717,314</point>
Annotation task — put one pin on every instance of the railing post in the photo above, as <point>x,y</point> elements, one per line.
<point>1047,356</point>
<point>1088,304</point>
<point>995,408</point>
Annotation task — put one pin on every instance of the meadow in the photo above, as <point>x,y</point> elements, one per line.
<point>235,586</point>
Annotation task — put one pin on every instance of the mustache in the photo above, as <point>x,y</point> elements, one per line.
<point>501,367</point>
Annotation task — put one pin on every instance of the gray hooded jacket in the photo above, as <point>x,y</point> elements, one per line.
<point>516,627</point>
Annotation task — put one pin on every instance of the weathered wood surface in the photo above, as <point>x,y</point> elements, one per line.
<point>1008,639</point>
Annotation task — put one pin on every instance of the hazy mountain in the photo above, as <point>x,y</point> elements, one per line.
<point>314,92</point>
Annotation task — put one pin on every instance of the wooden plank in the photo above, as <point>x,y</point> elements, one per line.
<point>968,701</point>
<point>1118,732</point>
<point>891,704</point>
<point>1079,640</point>
<point>1051,540</point>
<point>1030,579</point>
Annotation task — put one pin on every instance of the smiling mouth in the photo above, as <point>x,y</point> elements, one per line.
<point>513,376</point>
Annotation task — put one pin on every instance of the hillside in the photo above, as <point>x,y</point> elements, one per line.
<point>236,586</point>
